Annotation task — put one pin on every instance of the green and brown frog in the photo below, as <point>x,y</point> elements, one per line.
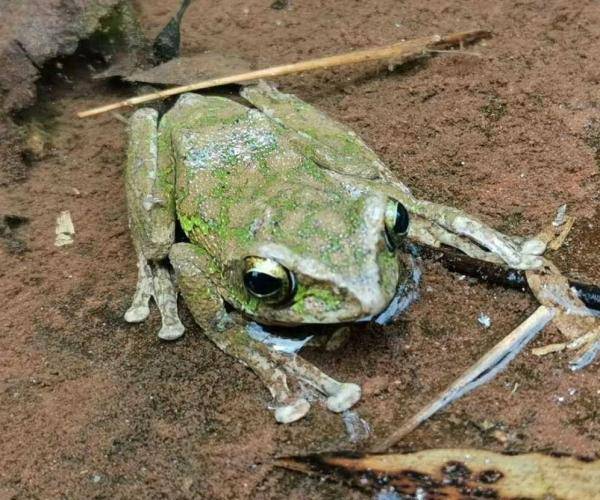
<point>291,220</point>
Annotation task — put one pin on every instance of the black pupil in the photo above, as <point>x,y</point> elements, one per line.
<point>262,284</point>
<point>401,223</point>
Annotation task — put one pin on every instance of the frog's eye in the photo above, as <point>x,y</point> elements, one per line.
<point>396,222</point>
<point>268,280</point>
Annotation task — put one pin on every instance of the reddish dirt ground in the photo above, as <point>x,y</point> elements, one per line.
<point>91,407</point>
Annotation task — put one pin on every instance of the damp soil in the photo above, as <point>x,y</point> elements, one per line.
<point>91,407</point>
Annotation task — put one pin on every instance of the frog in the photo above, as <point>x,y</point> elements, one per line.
<point>289,220</point>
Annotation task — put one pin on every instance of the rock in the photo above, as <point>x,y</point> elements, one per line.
<point>34,143</point>
<point>35,31</point>
<point>9,226</point>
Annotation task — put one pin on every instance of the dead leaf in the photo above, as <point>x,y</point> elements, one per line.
<point>459,473</point>
<point>190,69</point>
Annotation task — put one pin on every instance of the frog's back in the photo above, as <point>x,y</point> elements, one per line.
<point>240,179</point>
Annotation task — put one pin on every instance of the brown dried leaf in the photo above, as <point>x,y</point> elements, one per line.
<point>190,69</point>
<point>459,473</point>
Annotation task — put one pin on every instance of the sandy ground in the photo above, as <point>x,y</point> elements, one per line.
<point>91,407</point>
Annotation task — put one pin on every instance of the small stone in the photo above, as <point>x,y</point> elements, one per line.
<point>500,436</point>
<point>484,320</point>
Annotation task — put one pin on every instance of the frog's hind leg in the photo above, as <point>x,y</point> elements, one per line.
<point>149,180</point>
<point>229,332</point>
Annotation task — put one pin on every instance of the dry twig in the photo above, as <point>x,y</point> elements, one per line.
<point>406,49</point>
<point>488,366</point>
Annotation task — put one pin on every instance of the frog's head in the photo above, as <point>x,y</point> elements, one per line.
<point>328,257</point>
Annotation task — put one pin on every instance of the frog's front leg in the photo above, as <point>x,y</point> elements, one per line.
<point>149,188</point>
<point>436,224</point>
<point>230,332</point>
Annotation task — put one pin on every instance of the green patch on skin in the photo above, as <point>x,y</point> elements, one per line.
<point>216,112</point>
<point>387,263</point>
<point>312,169</point>
<point>201,294</point>
<point>191,225</point>
<point>200,251</point>
<point>246,302</point>
<point>251,305</point>
<point>213,118</point>
<point>325,296</point>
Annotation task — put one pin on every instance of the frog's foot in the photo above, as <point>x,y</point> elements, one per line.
<point>435,224</point>
<point>273,367</point>
<point>289,413</point>
<point>165,297</point>
<point>265,363</point>
<point>154,280</point>
<point>340,396</point>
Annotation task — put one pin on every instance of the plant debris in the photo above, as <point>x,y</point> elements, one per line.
<point>458,473</point>
<point>481,372</point>
<point>188,69</point>
<point>64,229</point>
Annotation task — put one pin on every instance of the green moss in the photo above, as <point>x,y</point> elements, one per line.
<point>495,108</point>
<point>330,301</point>
<point>114,30</point>
<point>386,262</point>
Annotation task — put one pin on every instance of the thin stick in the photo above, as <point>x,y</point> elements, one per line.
<point>484,370</point>
<point>407,49</point>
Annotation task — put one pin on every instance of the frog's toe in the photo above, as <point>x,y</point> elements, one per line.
<point>529,262</point>
<point>292,412</point>
<point>171,332</point>
<point>137,314</point>
<point>534,246</point>
<point>345,398</point>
